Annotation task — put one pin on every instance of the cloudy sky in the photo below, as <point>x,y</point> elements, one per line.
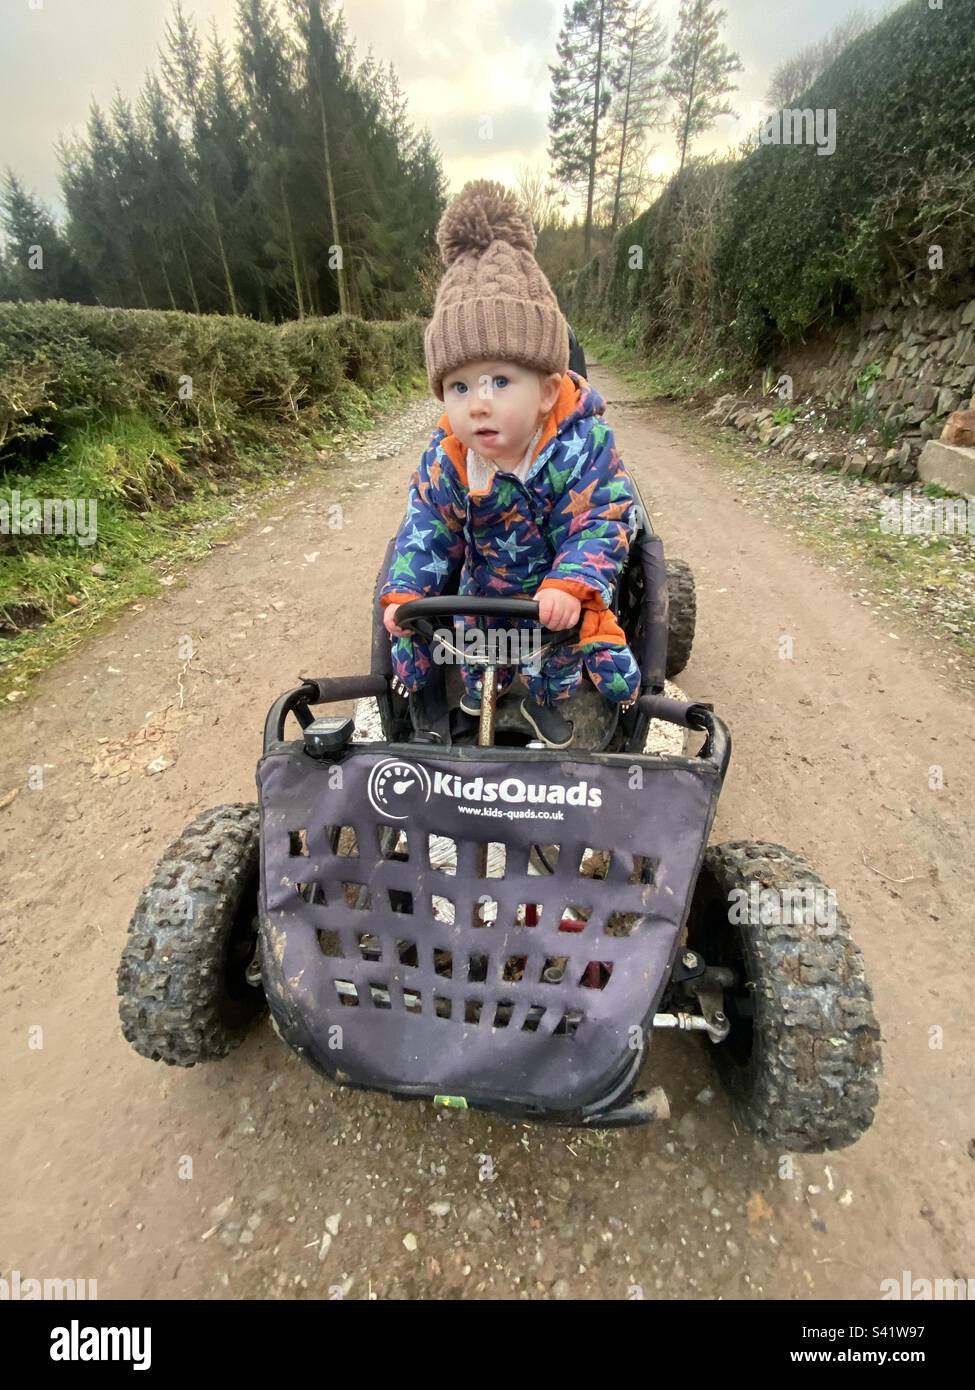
<point>458,61</point>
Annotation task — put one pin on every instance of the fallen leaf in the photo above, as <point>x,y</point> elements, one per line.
<point>758,1209</point>
<point>6,799</point>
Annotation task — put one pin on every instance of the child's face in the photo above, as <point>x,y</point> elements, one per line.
<point>495,407</point>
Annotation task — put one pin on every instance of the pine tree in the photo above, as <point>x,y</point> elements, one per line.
<point>132,170</point>
<point>225,186</point>
<point>700,66</point>
<point>223,234</point>
<point>225,153</point>
<point>321,36</point>
<point>37,261</point>
<point>267,73</point>
<point>98,202</point>
<point>583,82</point>
<point>87,221</point>
<point>171,194</point>
<point>392,193</point>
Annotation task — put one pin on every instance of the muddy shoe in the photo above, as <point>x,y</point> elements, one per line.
<point>548,724</point>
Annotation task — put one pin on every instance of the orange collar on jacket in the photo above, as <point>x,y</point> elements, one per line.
<point>566,404</point>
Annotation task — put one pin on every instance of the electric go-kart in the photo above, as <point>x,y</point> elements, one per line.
<point>446,908</point>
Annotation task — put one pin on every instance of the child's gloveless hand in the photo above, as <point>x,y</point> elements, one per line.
<point>557,609</point>
<point>390,623</point>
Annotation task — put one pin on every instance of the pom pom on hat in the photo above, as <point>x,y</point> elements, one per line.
<point>481,213</point>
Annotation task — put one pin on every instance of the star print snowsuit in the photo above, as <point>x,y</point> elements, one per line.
<point>566,527</point>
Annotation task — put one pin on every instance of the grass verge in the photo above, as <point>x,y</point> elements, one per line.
<point>669,375</point>
<point>151,511</point>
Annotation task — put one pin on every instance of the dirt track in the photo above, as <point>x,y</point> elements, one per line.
<point>832,757</point>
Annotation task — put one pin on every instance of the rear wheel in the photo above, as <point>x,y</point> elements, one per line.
<point>802,1058</point>
<point>681,616</point>
<point>183,991</point>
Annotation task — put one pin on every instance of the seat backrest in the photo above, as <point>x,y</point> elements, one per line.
<point>577,357</point>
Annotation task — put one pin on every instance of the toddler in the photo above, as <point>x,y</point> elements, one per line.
<point>521,484</point>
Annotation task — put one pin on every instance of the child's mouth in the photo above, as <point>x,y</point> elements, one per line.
<point>486,436</point>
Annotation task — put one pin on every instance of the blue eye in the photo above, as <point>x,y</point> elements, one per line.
<point>460,386</point>
<point>501,382</point>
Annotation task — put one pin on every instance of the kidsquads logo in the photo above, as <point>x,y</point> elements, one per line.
<point>393,784</point>
<point>515,791</point>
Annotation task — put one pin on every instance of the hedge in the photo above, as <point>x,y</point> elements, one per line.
<point>212,378</point>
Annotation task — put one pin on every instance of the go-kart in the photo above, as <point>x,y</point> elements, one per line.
<point>447,909</point>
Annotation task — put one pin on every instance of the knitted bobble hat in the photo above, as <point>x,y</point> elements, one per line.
<point>494,300</point>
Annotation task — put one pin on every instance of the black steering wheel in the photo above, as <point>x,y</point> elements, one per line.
<point>417,613</point>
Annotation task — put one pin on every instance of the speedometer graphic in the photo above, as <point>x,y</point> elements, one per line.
<point>393,784</point>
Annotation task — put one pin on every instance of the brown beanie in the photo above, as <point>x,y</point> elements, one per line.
<point>494,301</point>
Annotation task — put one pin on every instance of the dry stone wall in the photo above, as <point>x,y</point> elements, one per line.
<point>866,399</point>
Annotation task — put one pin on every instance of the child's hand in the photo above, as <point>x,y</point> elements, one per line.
<point>557,609</point>
<point>390,623</point>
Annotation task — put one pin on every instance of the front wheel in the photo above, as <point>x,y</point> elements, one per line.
<point>802,1058</point>
<point>183,988</point>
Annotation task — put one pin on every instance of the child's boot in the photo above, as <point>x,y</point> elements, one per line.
<point>548,723</point>
<point>470,701</point>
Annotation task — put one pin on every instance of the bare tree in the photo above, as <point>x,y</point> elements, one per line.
<point>539,195</point>
<point>797,74</point>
